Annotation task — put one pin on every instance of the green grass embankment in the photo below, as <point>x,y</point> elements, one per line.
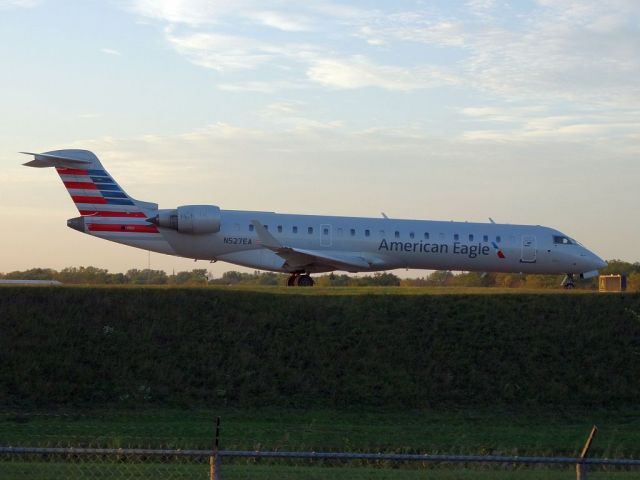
<point>243,347</point>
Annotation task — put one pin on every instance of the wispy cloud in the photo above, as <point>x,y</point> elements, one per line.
<point>417,26</point>
<point>190,12</point>
<point>220,52</point>
<point>261,86</point>
<point>282,21</point>
<point>566,50</point>
<point>358,72</point>
<point>110,51</point>
<point>9,4</point>
<point>530,125</point>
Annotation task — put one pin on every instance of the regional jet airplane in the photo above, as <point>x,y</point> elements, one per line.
<point>304,244</point>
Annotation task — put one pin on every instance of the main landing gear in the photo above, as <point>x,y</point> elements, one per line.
<point>300,280</point>
<point>567,283</point>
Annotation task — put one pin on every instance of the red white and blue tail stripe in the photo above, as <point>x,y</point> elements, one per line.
<point>106,209</point>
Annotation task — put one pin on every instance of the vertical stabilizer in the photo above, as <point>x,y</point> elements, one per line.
<point>106,210</point>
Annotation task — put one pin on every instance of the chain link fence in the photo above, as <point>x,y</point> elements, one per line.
<point>186,446</point>
<point>89,463</point>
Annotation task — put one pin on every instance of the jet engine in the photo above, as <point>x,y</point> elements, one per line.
<point>195,219</point>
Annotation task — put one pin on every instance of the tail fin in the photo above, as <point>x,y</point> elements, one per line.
<point>106,210</point>
<point>90,186</point>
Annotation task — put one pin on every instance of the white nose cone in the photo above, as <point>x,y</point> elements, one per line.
<point>598,263</point>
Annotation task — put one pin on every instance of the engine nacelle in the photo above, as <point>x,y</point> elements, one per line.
<point>193,219</point>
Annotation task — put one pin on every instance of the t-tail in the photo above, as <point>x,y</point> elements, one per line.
<point>106,210</point>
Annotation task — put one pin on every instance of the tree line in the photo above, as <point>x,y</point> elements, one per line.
<point>200,276</point>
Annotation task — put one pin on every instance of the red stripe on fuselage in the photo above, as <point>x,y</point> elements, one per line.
<point>79,199</point>
<point>81,185</point>
<point>98,213</point>
<point>111,227</point>
<point>71,171</point>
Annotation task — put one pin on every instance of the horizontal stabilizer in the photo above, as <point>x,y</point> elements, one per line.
<point>44,160</point>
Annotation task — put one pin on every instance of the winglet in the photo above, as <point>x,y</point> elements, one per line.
<point>265,237</point>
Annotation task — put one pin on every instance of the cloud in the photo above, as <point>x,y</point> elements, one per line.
<point>571,51</point>
<point>220,52</point>
<point>260,86</point>
<point>532,126</point>
<point>110,51</point>
<point>565,51</point>
<point>190,12</point>
<point>358,72</point>
<point>281,21</point>
<point>202,13</point>
<point>417,26</point>
<point>10,4</point>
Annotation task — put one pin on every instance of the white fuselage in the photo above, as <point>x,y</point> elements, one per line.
<point>388,243</point>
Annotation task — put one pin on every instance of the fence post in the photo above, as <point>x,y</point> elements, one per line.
<point>214,459</point>
<point>581,468</point>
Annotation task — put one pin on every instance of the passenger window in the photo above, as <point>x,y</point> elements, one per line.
<point>294,229</point>
<point>279,228</point>
<point>325,231</point>
<point>310,230</point>
<point>456,237</point>
<point>412,235</point>
<point>266,227</point>
<point>251,227</point>
<point>397,234</point>
<point>498,238</point>
<point>353,232</point>
<point>426,235</point>
<point>485,238</point>
<point>367,233</point>
<point>471,237</point>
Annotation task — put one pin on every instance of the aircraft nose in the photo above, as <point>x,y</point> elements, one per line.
<point>596,262</point>
<point>601,263</point>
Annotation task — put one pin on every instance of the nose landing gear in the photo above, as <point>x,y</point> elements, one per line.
<point>567,283</point>
<point>300,280</point>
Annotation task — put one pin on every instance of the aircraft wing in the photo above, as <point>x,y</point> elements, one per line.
<point>300,258</point>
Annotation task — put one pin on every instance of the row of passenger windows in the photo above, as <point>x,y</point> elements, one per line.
<point>367,233</point>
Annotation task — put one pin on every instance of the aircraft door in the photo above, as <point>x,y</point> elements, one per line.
<point>325,235</point>
<point>529,249</point>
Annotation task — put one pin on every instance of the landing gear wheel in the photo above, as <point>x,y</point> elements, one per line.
<point>292,281</point>
<point>305,281</point>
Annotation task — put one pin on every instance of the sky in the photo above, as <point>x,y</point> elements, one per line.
<point>523,111</point>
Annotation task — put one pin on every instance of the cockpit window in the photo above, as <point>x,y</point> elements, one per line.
<point>560,240</point>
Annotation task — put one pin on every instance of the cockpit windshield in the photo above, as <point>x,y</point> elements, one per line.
<point>560,240</point>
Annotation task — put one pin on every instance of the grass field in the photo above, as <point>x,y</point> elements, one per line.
<point>458,432</point>
<point>102,470</point>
